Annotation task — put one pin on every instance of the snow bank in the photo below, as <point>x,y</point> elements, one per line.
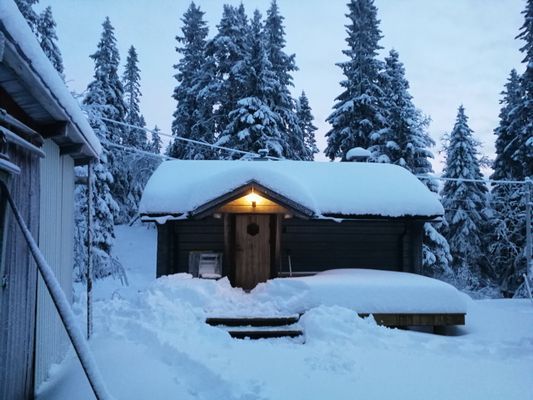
<point>181,186</point>
<point>375,291</point>
<point>22,36</point>
<point>359,290</point>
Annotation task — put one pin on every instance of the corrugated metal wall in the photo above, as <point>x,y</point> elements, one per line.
<point>18,275</point>
<point>56,233</point>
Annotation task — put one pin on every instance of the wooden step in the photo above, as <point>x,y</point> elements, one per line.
<point>265,334</point>
<point>253,321</point>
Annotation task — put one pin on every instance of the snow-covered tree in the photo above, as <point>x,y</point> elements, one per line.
<point>282,102</point>
<point>228,53</point>
<point>405,141</point>
<point>193,114</point>
<point>514,161</point>
<point>46,28</point>
<point>156,142</point>
<point>253,124</point>
<point>131,81</point>
<point>305,119</point>
<point>524,111</point>
<point>104,209</point>
<point>27,11</point>
<point>357,119</point>
<point>506,166</point>
<point>106,90</point>
<point>106,93</point>
<point>507,240</point>
<point>464,203</point>
<point>104,98</point>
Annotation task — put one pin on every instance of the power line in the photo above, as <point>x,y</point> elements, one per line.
<point>129,148</point>
<point>213,146</point>
<point>486,181</point>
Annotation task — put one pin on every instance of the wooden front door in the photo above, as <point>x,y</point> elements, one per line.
<point>252,250</point>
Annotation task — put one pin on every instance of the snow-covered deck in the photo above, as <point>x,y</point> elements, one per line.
<point>364,291</point>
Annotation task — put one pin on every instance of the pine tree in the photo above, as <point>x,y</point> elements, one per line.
<point>192,117</point>
<point>305,118</point>
<point>282,102</point>
<point>357,119</point>
<point>27,11</point>
<point>464,203</point>
<point>253,125</point>
<point>132,98</point>
<point>48,39</point>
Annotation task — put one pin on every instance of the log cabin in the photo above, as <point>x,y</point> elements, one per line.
<point>256,220</point>
<point>43,135</point>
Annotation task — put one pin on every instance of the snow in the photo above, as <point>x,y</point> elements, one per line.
<point>151,343</point>
<point>358,152</point>
<point>376,291</point>
<point>16,27</point>
<point>180,186</point>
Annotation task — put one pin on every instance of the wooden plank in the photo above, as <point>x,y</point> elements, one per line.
<point>417,319</point>
<point>252,321</point>
<point>265,334</point>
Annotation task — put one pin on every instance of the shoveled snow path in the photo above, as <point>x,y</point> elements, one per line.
<point>151,345</point>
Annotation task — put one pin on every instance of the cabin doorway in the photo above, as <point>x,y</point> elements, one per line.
<point>252,249</point>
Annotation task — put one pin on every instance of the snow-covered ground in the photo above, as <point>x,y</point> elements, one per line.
<point>151,343</point>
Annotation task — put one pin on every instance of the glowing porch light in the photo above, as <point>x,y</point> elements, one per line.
<point>253,198</point>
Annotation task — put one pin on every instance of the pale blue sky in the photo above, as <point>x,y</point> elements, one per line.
<point>454,51</point>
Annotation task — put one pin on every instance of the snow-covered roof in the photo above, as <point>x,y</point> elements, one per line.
<point>19,34</point>
<point>325,188</point>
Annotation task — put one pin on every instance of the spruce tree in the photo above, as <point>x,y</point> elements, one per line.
<point>253,125</point>
<point>227,53</point>
<point>156,143</point>
<point>524,111</point>
<point>106,88</point>
<point>514,161</point>
<point>48,39</point>
<point>27,11</point>
<point>105,95</point>
<point>305,119</point>
<point>104,208</point>
<point>508,201</point>
<point>193,114</point>
<point>282,102</point>
<point>137,167</point>
<point>406,142</point>
<point>132,98</point>
<point>464,203</point>
<point>357,119</point>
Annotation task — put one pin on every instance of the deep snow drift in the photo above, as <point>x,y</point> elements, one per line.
<point>151,343</point>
